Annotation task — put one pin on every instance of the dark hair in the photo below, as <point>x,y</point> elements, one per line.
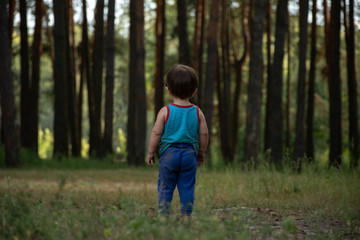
<point>182,81</point>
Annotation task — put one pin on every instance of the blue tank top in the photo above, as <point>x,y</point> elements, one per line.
<point>181,126</point>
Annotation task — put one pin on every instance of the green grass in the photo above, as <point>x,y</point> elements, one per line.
<point>230,204</point>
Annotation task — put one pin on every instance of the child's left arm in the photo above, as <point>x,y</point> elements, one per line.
<point>155,136</point>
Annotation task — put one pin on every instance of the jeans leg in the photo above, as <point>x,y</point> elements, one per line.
<point>186,180</point>
<point>167,179</point>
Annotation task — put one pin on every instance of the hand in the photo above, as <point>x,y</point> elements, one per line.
<point>200,158</point>
<point>150,159</point>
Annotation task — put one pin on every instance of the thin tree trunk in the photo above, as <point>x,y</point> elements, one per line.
<point>224,88</point>
<point>352,86</point>
<point>35,82</point>
<point>12,5</point>
<point>212,57</point>
<point>299,147</point>
<point>310,110</point>
<point>50,36</point>
<point>85,72</point>
<point>160,55</point>
<point>275,94</point>
<point>109,90</point>
<point>136,127</point>
<point>11,129</point>
<point>198,47</point>
<point>25,107</point>
<point>239,65</point>
<point>335,86</point>
<point>71,81</point>
<point>184,50</point>
<point>60,75</point>
<point>97,71</point>
<point>253,108</point>
<point>268,70</point>
<point>287,117</point>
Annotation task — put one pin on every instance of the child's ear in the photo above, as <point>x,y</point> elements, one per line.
<point>194,92</point>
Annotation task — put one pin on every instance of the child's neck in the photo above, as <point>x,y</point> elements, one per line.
<point>181,102</point>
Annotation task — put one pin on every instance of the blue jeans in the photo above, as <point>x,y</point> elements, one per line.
<point>178,165</point>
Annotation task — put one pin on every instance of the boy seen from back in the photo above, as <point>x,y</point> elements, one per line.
<point>181,132</point>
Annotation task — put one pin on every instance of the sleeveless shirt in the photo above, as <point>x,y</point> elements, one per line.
<point>181,126</point>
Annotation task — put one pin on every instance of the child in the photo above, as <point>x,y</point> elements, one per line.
<point>183,135</point>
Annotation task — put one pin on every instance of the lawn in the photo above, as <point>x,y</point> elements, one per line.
<point>230,204</point>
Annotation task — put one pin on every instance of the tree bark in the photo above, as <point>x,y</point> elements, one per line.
<point>8,109</point>
<point>352,86</point>
<point>310,110</point>
<point>299,147</point>
<point>109,90</point>
<point>25,103</point>
<point>268,70</point>
<point>97,71</point>
<point>136,126</point>
<point>335,86</point>
<point>160,33</point>
<point>239,68</point>
<point>275,94</point>
<point>198,47</point>
<point>60,83</point>
<point>35,81</point>
<point>223,88</point>
<point>287,107</point>
<point>184,53</point>
<point>211,71</point>
<point>12,5</point>
<point>253,108</point>
<point>71,81</point>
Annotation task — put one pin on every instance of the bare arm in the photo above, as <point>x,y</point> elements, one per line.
<point>155,136</point>
<point>203,139</point>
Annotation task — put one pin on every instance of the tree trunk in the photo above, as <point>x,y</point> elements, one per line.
<point>11,129</point>
<point>352,86</point>
<point>335,86</point>
<point>253,108</point>
<point>97,71</point>
<point>50,36</point>
<point>12,5</point>
<point>60,83</point>
<point>239,65</point>
<point>275,94</point>
<point>25,103</point>
<point>224,95</point>
<point>71,81</point>
<point>184,53</point>
<point>160,54</point>
<point>136,127</point>
<point>268,70</point>
<point>299,147</point>
<point>85,72</point>
<point>212,57</point>
<point>287,107</point>
<point>198,47</point>
<point>35,81</point>
<point>109,90</point>
<point>310,110</point>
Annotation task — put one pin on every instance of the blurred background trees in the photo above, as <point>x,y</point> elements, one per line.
<point>267,96</point>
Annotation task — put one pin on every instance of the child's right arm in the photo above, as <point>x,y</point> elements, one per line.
<point>155,136</point>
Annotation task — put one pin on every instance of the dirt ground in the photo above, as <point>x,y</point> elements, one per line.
<point>295,225</point>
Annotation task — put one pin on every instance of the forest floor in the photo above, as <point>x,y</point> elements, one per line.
<point>230,204</point>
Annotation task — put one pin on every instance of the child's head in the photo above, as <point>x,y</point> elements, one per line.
<point>182,81</point>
